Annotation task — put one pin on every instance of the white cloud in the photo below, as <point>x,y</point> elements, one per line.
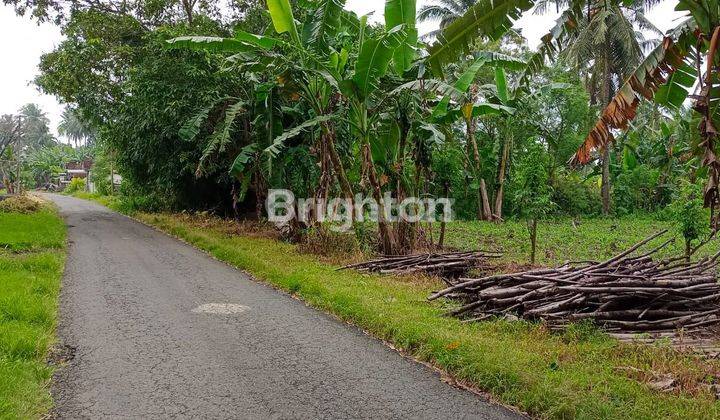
<point>24,42</point>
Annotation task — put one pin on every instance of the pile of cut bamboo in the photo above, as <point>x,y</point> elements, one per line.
<point>448,265</point>
<point>628,293</point>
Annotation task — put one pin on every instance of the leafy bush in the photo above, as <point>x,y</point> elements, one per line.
<point>690,218</point>
<point>75,185</point>
<point>636,190</point>
<point>575,195</point>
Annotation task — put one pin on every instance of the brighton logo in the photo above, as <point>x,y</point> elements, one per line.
<point>282,206</point>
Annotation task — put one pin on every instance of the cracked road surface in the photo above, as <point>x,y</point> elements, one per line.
<point>136,309</point>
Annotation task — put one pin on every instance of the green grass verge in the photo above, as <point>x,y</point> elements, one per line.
<point>110,201</point>
<point>562,239</point>
<point>579,374</point>
<point>31,264</point>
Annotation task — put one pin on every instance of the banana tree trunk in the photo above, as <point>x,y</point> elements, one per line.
<point>387,237</point>
<point>605,187</point>
<point>501,178</point>
<point>483,212</point>
<point>338,167</point>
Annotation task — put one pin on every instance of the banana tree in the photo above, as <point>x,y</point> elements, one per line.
<point>306,66</point>
<point>472,104</point>
<point>666,76</point>
<point>325,73</point>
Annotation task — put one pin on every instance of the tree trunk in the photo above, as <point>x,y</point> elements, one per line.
<point>188,6</point>
<point>605,187</point>
<point>606,97</point>
<point>338,165</point>
<point>501,178</point>
<point>441,240</point>
<point>387,239</point>
<point>483,211</point>
<point>533,240</point>
<point>483,197</point>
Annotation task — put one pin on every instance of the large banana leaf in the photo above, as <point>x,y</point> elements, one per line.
<point>384,147</point>
<point>246,156</point>
<point>487,18</point>
<point>375,55</point>
<point>673,93</point>
<point>501,83</point>
<point>497,59</point>
<point>323,23</point>
<point>462,84</point>
<point>192,127</point>
<point>485,108</point>
<point>465,80</point>
<point>654,71</point>
<point>436,86</point>
<point>282,18</point>
<point>264,42</point>
<point>402,12</point>
<point>279,142</point>
<point>222,136</point>
<point>705,13</point>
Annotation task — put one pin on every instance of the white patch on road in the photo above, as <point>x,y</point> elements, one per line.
<point>220,308</point>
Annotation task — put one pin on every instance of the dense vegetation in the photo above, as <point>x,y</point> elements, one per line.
<point>202,108</point>
<point>313,98</point>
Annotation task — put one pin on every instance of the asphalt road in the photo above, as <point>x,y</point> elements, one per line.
<point>135,311</point>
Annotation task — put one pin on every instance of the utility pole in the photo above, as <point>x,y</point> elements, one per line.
<point>17,177</point>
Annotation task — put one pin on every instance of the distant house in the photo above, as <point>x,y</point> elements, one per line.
<point>116,181</point>
<point>75,169</point>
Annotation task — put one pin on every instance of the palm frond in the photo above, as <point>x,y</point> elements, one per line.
<point>552,42</point>
<point>433,12</point>
<point>278,143</point>
<point>323,23</point>
<point>644,82</point>
<point>487,18</point>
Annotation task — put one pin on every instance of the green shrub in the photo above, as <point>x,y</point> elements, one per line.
<point>75,185</point>
<point>575,195</point>
<point>690,218</point>
<point>636,190</point>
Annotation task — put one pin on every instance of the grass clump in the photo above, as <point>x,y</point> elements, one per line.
<point>31,232</point>
<point>31,264</point>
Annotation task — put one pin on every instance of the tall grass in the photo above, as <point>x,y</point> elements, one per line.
<point>31,264</point>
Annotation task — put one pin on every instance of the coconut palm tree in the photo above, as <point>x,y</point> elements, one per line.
<point>666,75</point>
<point>36,130</point>
<point>599,38</point>
<point>74,128</point>
<point>606,47</point>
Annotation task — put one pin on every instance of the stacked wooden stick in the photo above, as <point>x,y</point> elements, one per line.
<point>448,265</point>
<point>628,293</point>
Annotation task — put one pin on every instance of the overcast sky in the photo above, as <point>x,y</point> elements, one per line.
<point>25,41</point>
